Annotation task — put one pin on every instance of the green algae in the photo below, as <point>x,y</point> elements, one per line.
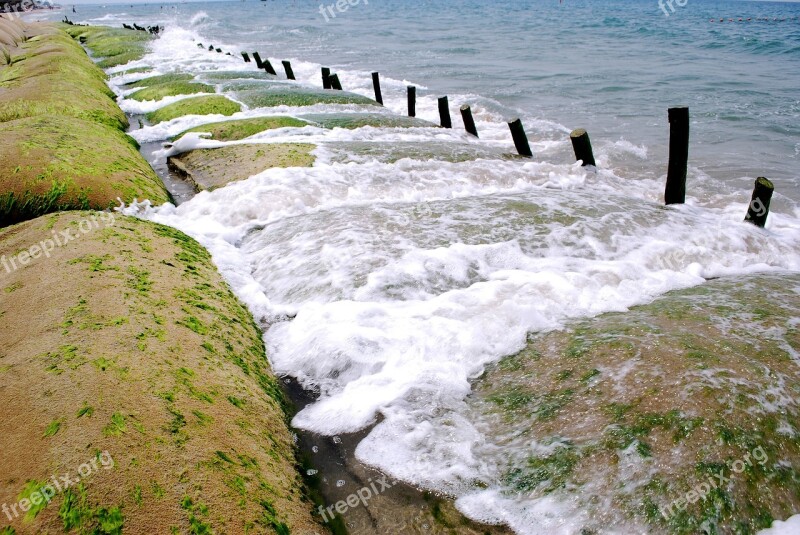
<point>160,79</point>
<point>298,96</point>
<point>358,120</point>
<point>169,89</point>
<point>207,105</point>
<point>54,77</point>
<point>244,128</point>
<point>117,46</point>
<point>672,423</point>
<point>95,165</point>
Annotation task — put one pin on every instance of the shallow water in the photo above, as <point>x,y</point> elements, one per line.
<point>393,273</point>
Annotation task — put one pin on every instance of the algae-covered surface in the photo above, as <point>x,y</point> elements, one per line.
<point>52,76</point>
<point>206,105</point>
<point>681,415</point>
<point>209,169</point>
<point>244,128</point>
<point>287,95</point>
<point>360,151</point>
<point>95,165</point>
<point>357,120</point>
<point>126,360</point>
<point>169,89</point>
<point>116,46</point>
<point>160,79</point>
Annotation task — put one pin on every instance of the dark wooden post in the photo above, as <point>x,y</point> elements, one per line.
<point>219,51</point>
<point>268,67</point>
<point>376,84</point>
<point>469,122</point>
<point>246,57</point>
<point>326,78</point>
<point>210,48</point>
<point>412,101</point>
<point>259,63</point>
<point>675,192</point>
<point>287,66</point>
<point>335,83</point>
<point>200,45</point>
<point>759,203</point>
<point>520,139</point>
<point>444,113</point>
<point>582,146</point>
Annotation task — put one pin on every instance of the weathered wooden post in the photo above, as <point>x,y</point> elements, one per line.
<point>582,146</point>
<point>287,66</point>
<point>326,78</point>
<point>219,51</point>
<point>469,122</point>
<point>520,139</point>
<point>412,101</point>
<point>259,63</point>
<point>758,210</point>
<point>675,192</point>
<point>210,48</point>
<point>246,57</point>
<point>444,113</point>
<point>200,45</point>
<point>335,83</point>
<point>376,84</point>
<point>268,67</point>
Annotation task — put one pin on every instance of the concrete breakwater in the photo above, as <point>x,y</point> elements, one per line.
<point>135,392</point>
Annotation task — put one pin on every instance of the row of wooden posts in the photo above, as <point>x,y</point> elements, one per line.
<point>674,193</point>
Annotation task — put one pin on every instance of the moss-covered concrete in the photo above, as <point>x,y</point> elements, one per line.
<point>209,169</point>
<point>113,46</point>
<point>207,105</point>
<point>236,130</point>
<point>52,76</point>
<point>160,79</point>
<point>287,95</point>
<point>632,411</point>
<point>352,121</point>
<point>50,163</point>
<point>62,140</point>
<point>123,349</point>
<point>169,89</point>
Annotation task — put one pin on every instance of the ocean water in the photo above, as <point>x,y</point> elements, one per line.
<point>388,284</point>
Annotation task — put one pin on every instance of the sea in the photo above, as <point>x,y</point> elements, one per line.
<point>386,286</point>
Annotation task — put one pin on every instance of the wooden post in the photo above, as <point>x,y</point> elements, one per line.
<point>219,51</point>
<point>412,101</point>
<point>520,139</point>
<point>268,67</point>
<point>444,113</point>
<point>759,203</point>
<point>675,193</point>
<point>287,66</point>
<point>582,146</point>
<point>259,63</point>
<point>326,78</point>
<point>335,83</point>
<point>210,48</point>
<point>200,45</point>
<point>376,84</point>
<point>246,57</point>
<point>469,122</point>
